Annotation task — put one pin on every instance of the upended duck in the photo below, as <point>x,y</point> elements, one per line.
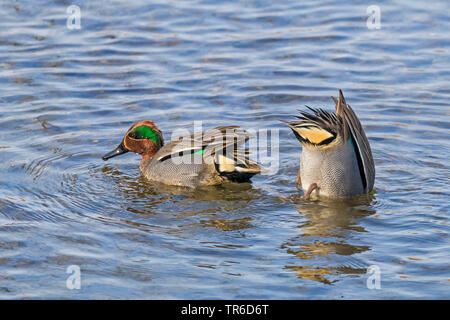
<point>211,157</point>
<point>336,159</point>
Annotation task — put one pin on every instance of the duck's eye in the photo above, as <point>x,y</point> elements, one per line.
<point>144,132</point>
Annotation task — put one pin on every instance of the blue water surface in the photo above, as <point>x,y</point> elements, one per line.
<point>68,96</point>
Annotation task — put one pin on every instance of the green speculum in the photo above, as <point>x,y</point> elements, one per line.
<point>144,132</point>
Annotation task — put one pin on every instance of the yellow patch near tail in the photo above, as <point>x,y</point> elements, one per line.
<point>225,164</point>
<point>313,134</point>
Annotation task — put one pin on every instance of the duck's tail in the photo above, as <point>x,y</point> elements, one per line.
<point>238,167</point>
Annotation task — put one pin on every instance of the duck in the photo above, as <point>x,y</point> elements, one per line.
<point>336,159</point>
<point>210,157</point>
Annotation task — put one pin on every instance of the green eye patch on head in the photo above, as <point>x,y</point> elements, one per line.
<point>144,132</point>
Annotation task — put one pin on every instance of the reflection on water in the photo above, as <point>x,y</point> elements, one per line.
<point>337,218</point>
<point>327,231</point>
<point>228,225</point>
<point>147,196</point>
<point>138,189</point>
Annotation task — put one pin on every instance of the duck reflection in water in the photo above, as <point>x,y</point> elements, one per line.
<point>329,235</point>
<point>149,197</point>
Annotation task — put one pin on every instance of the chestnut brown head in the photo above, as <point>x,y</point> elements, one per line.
<point>143,137</point>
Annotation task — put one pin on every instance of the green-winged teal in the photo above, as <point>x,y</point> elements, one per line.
<point>208,158</point>
<point>336,159</point>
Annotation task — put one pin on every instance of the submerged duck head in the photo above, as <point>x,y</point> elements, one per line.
<point>143,137</point>
<point>336,156</point>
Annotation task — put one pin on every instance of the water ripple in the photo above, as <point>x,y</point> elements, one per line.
<point>69,95</point>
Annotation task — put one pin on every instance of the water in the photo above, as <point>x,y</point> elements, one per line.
<point>68,96</point>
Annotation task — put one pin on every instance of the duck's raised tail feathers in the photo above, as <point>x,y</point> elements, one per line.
<point>355,131</point>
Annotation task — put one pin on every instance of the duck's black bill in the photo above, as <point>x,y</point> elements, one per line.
<point>116,152</point>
